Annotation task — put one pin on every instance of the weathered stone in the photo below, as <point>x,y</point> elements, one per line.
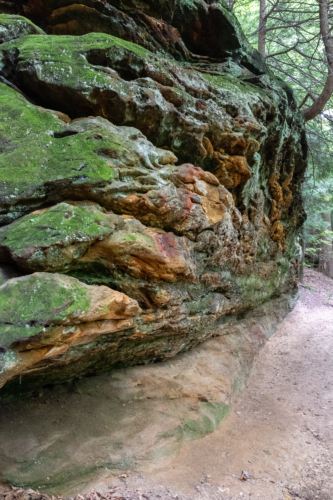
<point>134,419</point>
<point>54,239</point>
<point>39,314</point>
<point>58,161</point>
<point>201,120</point>
<point>12,27</point>
<point>152,34</point>
<point>182,109</point>
<point>65,236</point>
<point>208,29</point>
<point>193,215</point>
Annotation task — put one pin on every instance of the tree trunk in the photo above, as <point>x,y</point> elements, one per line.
<point>301,264</point>
<point>231,4</point>
<point>326,255</point>
<point>262,28</point>
<point>318,105</point>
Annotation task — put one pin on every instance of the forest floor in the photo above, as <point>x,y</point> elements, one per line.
<point>280,430</point>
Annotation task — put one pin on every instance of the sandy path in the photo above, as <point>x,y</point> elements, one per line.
<point>281,427</point>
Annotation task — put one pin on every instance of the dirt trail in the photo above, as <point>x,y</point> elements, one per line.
<point>281,427</point>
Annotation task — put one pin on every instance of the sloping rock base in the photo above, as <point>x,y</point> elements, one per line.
<point>66,436</point>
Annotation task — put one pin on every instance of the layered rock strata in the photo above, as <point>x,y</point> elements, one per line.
<point>149,191</point>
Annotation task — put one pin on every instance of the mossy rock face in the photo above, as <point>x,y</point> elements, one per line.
<point>150,178</point>
<point>67,237</point>
<point>12,27</point>
<point>72,18</point>
<point>173,106</point>
<point>44,159</point>
<point>185,30</point>
<point>42,299</point>
<point>54,238</point>
<point>163,174</point>
<point>39,314</point>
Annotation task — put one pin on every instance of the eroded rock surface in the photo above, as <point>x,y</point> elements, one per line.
<point>71,436</point>
<point>150,163</point>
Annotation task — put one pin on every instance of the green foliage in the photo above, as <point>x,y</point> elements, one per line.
<point>293,28</point>
<point>318,200</point>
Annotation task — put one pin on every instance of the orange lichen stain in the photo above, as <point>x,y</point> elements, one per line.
<point>276,189</point>
<point>209,148</point>
<point>278,235</point>
<point>282,200</point>
<point>237,144</point>
<point>277,230</point>
<point>287,193</point>
<point>231,170</point>
<point>275,214</point>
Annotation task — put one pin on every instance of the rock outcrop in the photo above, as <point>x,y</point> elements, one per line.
<point>150,184</point>
<point>68,438</point>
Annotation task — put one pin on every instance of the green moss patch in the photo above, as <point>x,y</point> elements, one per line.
<point>62,224</point>
<point>212,416</point>
<point>12,27</point>
<point>30,303</point>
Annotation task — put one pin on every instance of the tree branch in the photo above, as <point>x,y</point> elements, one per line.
<point>319,104</point>
<point>305,99</point>
<point>282,51</point>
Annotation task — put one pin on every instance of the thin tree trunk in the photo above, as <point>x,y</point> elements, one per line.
<point>231,4</point>
<point>301,265</point>
<point>326,255</point>
<point>262,28</point>
<point>318,105</point>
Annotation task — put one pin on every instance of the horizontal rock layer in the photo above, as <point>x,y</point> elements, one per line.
<point>149,191</point>
<point>198,30</point>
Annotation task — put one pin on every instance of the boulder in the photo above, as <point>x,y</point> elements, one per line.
<point>150,186</point>
<point>60,160</point>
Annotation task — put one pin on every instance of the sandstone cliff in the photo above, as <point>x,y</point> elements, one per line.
<point>150,185</point>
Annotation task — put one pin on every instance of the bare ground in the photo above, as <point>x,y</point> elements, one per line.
<point>280,430</point>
